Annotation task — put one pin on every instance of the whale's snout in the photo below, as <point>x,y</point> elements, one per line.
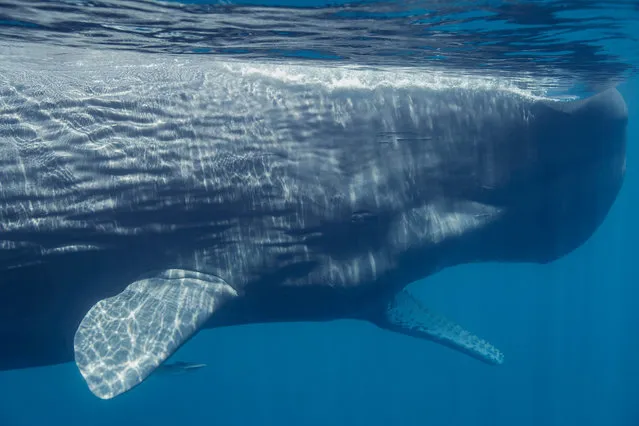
<point>579,168</point>
<point>588,166</point>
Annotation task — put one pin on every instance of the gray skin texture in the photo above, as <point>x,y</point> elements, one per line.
<point>316,193</point>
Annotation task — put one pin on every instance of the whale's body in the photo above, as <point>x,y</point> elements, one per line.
<point>140,208</point>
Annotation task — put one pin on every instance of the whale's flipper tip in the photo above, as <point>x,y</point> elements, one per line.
<point>123,339</point>
<point>406,315</point>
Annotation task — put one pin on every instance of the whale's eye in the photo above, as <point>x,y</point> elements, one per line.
<point>363,216</point>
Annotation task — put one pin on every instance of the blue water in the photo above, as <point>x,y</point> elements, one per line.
<point>569,329</point>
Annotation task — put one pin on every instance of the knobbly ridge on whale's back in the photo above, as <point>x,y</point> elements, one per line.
<point>141,203</point>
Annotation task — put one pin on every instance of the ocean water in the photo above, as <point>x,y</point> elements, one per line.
<point>569,329</point>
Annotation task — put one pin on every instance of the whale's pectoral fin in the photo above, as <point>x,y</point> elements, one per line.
<point>124,338</point>
<point>404,314</point>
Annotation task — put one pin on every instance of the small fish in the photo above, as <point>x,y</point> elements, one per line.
<point>179,367</point>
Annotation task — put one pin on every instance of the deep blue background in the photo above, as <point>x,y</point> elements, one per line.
<point>569,331</point>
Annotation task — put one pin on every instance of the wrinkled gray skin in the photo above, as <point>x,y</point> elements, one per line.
<point>315,202</point>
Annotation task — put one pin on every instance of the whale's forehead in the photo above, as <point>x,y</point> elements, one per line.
<point>587,139</point>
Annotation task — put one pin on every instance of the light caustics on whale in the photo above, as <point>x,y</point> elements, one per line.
<point>130,331</point>
<point>164,197</point>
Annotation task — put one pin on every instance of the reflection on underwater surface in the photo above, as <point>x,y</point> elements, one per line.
<point>576,41</point>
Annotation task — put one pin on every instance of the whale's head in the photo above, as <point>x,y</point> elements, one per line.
<point>576,170</point>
